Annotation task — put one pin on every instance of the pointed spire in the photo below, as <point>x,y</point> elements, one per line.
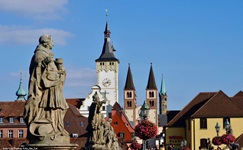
<point>107,53</point>
<point>162,89</point>
<point>129,81</point>
<point>20,93</point>
<point>151,80</point>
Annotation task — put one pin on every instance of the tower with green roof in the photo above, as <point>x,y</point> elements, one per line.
<point>20,93</point>
<point>162,98</point>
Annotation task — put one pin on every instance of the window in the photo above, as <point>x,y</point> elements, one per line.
<point>11,120</point>
<point>203,143</point>
<point>129,104</point>
<point>122,135</point>
<point>1,119</point>
<point>67,124</point>
<point>1,133</point>
<point>82,124</point>
<point>21,120</point>
<point>103,108</point>
<point>151,94</point>
<point>75,135</point>
<point>189,124</point>
<point>151,103</point>
<point>203,123</point>
<point>116,123</point>
<point>21,133</point>
<point>129,94</point>
<point>10,133</point>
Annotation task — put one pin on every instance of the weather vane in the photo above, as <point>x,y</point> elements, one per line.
<point>106,13</point>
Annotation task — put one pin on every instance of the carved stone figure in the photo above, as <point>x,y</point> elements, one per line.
<point>46,105</point>
<point>102,135</point>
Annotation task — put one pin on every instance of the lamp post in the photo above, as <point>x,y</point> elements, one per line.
<point>144,111</point>
<point>183,144</point>
<point>227,126</point>
<point>162,140</point>
<point>217,128</point>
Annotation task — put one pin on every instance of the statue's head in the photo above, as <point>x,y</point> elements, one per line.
<point>46,41</point>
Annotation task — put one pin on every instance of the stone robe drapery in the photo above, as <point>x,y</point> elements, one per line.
<point>45,98</point>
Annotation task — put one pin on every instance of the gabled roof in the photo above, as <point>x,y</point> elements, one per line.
<point>129,81</point>
<point>220,105</point>
<point>74,118</point>
<point>116,106</point>
<point>77,102</point>
<point>239,94</point>
<point>239,139</point>
<point>107,51</point>
<point>191,108</point>
<point>208,105</point>
<point>151,80</point>
<point>124,124</point>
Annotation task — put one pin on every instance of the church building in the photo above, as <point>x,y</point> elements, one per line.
<point>107,78</point>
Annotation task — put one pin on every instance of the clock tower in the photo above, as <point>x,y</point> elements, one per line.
<point>107,70</point>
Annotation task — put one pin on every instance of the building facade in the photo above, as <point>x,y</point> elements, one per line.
<point>196,122</point>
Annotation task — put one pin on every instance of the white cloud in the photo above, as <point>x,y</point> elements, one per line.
<point>83,77</point>
<point>26,35</point>
<point>35,8</point>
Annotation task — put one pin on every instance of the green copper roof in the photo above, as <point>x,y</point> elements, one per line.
<point>162,89</point>
<point>20,92</point>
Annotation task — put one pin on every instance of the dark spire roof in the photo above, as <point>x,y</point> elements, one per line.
<point>107,51</point>
<point>151,81</point>
<point>129,81</point>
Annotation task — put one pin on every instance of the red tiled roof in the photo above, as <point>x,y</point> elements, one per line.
<point>13,109</point>
<point>74,119</point>
<point>77,102</point>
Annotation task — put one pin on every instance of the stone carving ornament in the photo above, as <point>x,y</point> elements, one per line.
<point>46,105</point>
<point>102,135</point>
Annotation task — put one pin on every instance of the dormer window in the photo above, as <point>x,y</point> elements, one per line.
<point>1,119</point>
<point>11,120</point>
<point>21,120</point>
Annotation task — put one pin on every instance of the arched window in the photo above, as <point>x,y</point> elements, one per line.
<point>151,94</point>
<point>129,94</point>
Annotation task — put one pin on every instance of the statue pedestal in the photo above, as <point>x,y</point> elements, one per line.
<point>51,146</point>
<point>96,147</point>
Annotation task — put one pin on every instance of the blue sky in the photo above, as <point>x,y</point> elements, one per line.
<point>197,45</point>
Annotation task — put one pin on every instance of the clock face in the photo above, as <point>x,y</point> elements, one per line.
<point>106,82</point>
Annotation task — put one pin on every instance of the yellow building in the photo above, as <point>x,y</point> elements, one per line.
<point>196,122</point>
